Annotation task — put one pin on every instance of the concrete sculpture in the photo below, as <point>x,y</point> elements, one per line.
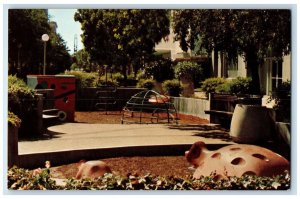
<point>92,169</point>
<point>235,160</point>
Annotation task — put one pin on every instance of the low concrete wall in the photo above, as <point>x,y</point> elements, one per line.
<point>66,157</point>
<point>192,106</point>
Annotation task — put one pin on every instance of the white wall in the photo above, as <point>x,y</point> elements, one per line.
<point>172,47</point>
<point>286,65</point>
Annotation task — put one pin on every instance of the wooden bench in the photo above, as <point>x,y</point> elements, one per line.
<point>222,107</point>
<point>222,113</point>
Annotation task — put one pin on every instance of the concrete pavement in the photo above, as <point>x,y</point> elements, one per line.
<point>71,142</point>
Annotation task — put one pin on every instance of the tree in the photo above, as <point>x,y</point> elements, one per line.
<point>250,33</point>
<point>122,37</point>
<point>59,58</point>
<point>82,61</point>
<point>25,47</point>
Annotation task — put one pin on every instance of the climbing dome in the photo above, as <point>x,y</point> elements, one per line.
<point>149,107</point>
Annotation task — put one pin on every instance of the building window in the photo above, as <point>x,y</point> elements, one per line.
<point>276,74</point>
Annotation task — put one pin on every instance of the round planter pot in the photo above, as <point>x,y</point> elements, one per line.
<point>251,123</point>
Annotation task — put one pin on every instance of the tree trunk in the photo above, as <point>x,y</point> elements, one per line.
<point>124,71</point>
<point>252,70</point>
<point>215,67</point>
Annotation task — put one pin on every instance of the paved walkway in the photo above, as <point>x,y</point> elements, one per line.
<point>70,136</point>
<point>71,142</point>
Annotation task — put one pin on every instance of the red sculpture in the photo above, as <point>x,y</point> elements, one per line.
<point>92,169</point>
<point>235,160</point>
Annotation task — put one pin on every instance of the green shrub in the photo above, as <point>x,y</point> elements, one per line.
<point>142,75</point>
<point>283,91</point>
<point>84,79</point>
<point>159,68</point>
<point>282,99</point>
<point>117,76</point>
<point>109,82</point>
<point>13,119</point>
<point>223,88</point>
<point>188,70</point>
<point>240,85</point>
<point>22,179</point>
<point>20,97</point>
<point>210,85</point>
<point>172,87</point>
<point>22,103</point>
<point>146,83</point>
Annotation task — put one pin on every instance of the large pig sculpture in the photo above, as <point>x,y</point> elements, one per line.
<point>235,160</point>
<point>92,169</point>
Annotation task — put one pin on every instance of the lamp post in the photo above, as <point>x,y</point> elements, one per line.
<point>45,38</point>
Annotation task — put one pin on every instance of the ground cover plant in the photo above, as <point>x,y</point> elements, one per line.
<point>40,179</point>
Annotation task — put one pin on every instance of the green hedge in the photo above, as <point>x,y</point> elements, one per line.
<point>22,179</point>
<point>159,68</point>
<point>84,79</point>
<point>172,87</point>
<point>187,69</point>
<point>210,85</point>
<point>146,83</point>
<point>238,86</point>
<point>13,119</point>
<point>21,101</point>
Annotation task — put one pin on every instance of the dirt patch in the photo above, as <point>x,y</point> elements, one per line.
<point>161,165</point>
<point>114,117</point>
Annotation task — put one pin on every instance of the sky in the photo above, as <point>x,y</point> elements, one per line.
<point>67,27</point>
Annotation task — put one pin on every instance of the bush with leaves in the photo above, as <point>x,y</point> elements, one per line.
<point>210,85</point>
<point>21,101</point>
<point>13,120</point>
<point>160,69</point>
<point>187,69</point>
<point>108,82</point>
<point>172,87</point>
<point>146,83</point>
<point>117,76</point>
<point>282,102</point>
<point>22,179</point>
<point>240,86</point>
<point>84,79</point>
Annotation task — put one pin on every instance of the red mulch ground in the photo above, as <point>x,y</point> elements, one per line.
<point>115,118</point>
<point>161,165</point>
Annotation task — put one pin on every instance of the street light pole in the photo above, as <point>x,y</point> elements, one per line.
<point>45,38</point>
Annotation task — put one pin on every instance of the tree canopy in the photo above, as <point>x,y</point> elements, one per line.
<point>25,47</point>
<point>254,34</point>
<point>121,37</point>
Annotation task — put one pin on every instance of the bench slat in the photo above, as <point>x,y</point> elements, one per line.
<point>218,112</point>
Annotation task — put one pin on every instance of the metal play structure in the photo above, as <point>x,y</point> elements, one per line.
<point>149,107</point>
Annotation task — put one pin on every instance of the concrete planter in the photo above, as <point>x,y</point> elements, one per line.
<point>188,86</point>
<point>251,123</point>
<point>12,144</point>
<point>284,132</point>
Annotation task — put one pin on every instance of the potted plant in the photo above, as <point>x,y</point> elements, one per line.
<point>187,72</point>
<point>172,87</point>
